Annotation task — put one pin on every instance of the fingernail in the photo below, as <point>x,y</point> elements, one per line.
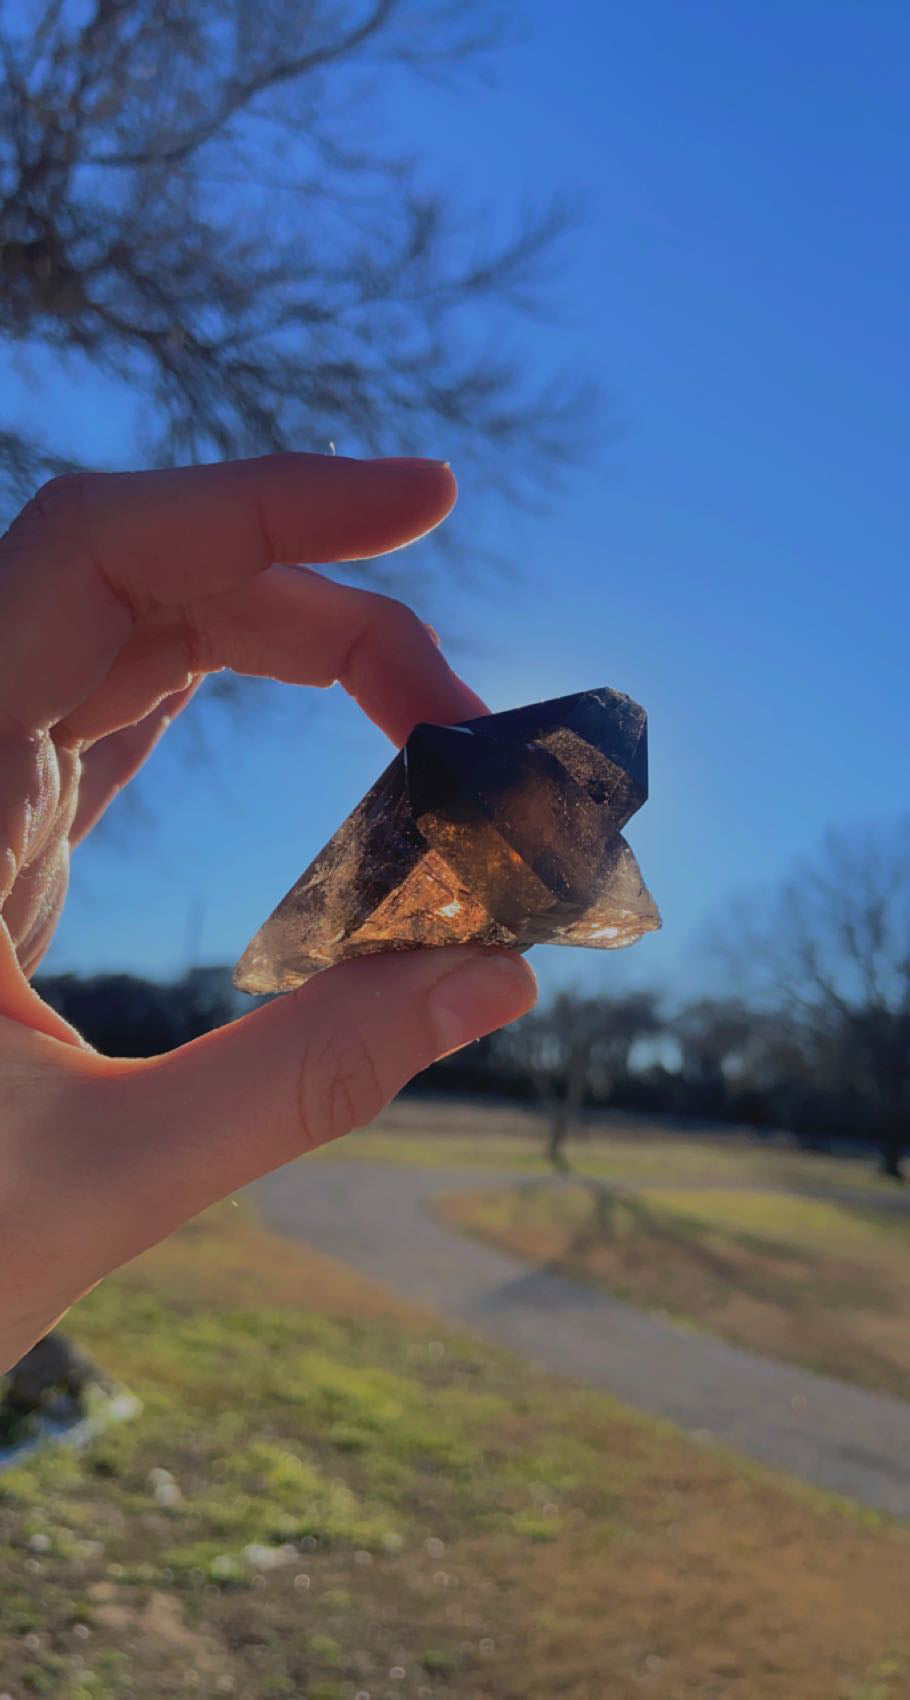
<point>409,460</point>
<point>477,997</point>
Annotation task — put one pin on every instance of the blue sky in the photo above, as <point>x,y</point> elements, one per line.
<point>734,553</point>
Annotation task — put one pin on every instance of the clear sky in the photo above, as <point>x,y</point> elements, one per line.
<point>735,555</point>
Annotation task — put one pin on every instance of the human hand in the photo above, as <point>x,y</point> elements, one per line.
<point>118,594</point>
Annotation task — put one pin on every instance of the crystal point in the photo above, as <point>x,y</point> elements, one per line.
<point>504,830</point>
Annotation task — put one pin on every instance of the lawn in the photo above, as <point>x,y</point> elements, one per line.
<point>818,1282</point>
<point>452,1134</point>
<point>330,1496</point>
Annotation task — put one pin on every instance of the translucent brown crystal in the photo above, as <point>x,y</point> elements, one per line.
<point>505,830</point>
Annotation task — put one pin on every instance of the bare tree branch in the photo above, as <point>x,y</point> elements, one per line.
<point>242,91</point>
<point>827,961</point>
<point>194,202</point>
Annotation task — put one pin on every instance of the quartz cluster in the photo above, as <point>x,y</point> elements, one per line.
<point>504,830</point>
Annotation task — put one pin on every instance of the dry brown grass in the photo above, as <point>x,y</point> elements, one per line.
<point>467,1134</point>
<point>226,1257</point>
<point>822,1283</point>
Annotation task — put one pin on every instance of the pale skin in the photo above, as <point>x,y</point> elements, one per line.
<point>118,594</point>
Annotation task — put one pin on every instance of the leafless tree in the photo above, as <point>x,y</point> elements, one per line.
<point>197,201</point>
<point>576,1045</point>
<point>829,955</point>
<point>719,1039</point>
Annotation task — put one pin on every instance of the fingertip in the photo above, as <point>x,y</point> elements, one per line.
<point>414,460</point>
<point>430,486</point>
<point>400,498</point>
<point>486,990</point>
<point>451,483</point>
<point>465,992</point>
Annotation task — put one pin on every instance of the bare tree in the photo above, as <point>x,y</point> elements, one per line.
<point>721,1041</point>
<point>829,954</point>
<point>196,200</point>
<point>575,1046</point>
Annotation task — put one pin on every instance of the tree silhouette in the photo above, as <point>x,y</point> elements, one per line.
<point>575,1045</point>
<point>125,1016</point>
<point>196,199</point>
<point>828,955</point>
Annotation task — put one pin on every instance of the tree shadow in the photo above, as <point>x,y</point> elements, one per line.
<point>616,1211</point>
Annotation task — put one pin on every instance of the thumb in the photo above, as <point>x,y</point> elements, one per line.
<point>193,1126</point>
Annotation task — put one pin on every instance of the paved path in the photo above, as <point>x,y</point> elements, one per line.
<point>376,1217</point>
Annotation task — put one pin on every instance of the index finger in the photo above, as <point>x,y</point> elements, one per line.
<point>92,553</point>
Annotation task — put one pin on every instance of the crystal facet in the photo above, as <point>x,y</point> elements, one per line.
<point>504,830</point>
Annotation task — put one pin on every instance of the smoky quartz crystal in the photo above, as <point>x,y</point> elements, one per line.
<point>504,830</point>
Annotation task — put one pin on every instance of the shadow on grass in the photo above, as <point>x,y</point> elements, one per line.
<point>618,1214</point>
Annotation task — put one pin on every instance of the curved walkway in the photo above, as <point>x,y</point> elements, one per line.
<point>377,1218</point>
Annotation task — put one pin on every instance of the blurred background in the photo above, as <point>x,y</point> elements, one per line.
<point>640,273</point>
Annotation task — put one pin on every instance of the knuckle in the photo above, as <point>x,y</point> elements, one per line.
<point>399,629</point>
<point>196,645</point>
<point>68,496</point>
<point>57,513</point>
<point>403,621</point>
<point>382,625</point>
<point>339,1088</point>
<point>67,515</point>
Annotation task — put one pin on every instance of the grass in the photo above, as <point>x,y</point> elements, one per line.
<point>329,1496</point>
<point>822,1283</point>
<point>437,1134</point>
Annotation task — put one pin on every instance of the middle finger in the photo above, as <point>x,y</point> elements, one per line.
<point>293,625</point>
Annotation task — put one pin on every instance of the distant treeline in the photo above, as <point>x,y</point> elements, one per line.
<point>708,1061</point>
